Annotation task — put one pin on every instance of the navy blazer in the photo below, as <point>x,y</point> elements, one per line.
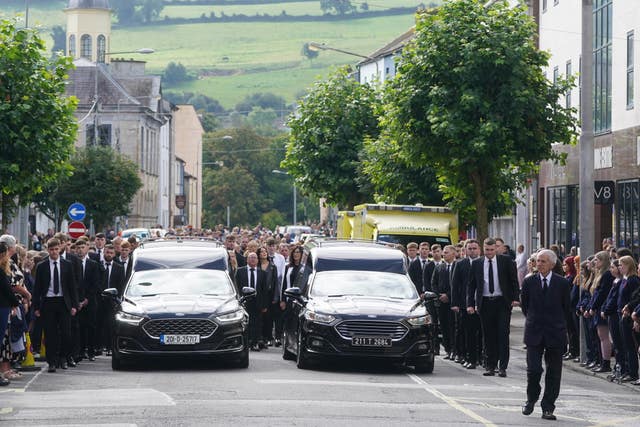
<point>546,314</point>
<point>610,305</point>
<point>600,293</point>
<point>67,282</point>
<point>626,291</point>
<point>507,278</point>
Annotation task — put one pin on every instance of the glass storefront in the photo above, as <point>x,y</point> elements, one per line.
<point>562,216</point>
<point>628,215</point>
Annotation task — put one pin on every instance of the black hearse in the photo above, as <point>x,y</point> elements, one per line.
<point>180,301</point>
<point>356,299</point>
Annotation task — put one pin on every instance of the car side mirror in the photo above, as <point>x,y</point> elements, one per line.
<point>111,293</point>
<point>247,293</point>
<point>296,295</point>
<point>429,296</point>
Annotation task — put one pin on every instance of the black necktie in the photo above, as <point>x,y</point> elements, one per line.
<point>56,278</point>
<point>544,285</point>
<point>424,262</point>
<point>253,278</point>
<point>492,286</point>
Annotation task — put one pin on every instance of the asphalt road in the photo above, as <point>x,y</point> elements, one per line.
<point>274,392</point>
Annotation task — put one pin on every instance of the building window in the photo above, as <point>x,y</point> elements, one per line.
<point>72,46</point>
<point>556,75</point>
<point>567,98</point>
<point>85,46</point>
<point>142,151</point>
<point>602,14</point>
<point>630,70</point>
<point>104,135</point>
<point>562,216</point>
<point>544,5</point>
<point>628,215</point>
<point>102,48</point>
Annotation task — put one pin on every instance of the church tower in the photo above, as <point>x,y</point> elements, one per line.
<point>88,29</point>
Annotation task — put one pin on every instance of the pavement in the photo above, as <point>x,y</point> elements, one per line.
<point>273,392</point>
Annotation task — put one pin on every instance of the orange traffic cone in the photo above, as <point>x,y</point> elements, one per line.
<point>29,363</point>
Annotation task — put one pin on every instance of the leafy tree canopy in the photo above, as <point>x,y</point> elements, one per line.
<point>37,126</point>
<point>137,11</point>
<point>263,100</point>
<point>471,101</point>
<point>327,135</point>
<point>341,7</point>
<point>95,167</point>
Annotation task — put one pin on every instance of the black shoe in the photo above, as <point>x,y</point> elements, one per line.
<point>502,373</point>
<point>270,343</point>
<point>447,356</point>
<point>489,373</point>
<point>91,358</point>
<point>52,368</point>
<point>63,365</point>
<point>604,367</point>
<point>592,365</point>
<point>459,360</point>
<point>577,359</point>
<point>548,415</point>
<point>527,408</point>
<point>568,356</point>
<point>71,363</point>
<point>255,347</point>
<point>471,366</point>
<point>261,345</point>
<point>4,382</point>
<point>278,343</point>
<point>628,378</point>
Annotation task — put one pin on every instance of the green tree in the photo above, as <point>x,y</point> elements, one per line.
<point>309,53</point>
<point>37,127</point>
<point>125,11</point>
<point>175,73</point>
<point>95,167</point>
<point>471,101</point>
<point>150,9</point>
<point>327,135</point>
<point>394,179</point>
<point>341,7</point>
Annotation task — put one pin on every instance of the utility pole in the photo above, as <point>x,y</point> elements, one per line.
<point>586,221</point>
<point>26,16</point>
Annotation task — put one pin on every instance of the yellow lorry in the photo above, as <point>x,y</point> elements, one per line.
<point>399,224</point>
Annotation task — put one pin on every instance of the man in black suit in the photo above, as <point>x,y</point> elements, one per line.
<point>417,266</point>
<point>441,284</point>
<point>545,301</point>
<point>124,259</point>
<point>492,292</point>
<point>67,254</point>
<point>55,298</point>
<point>467,326</point>
<point>427,273</point>
<point>113,277</point>
<point>90,287</point>
<point>252,276</point>
<point>100,242</point>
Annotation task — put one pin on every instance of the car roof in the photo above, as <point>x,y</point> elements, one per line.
<point>161,256</point>
<point>367,257</point>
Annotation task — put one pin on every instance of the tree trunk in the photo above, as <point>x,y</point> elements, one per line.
<point>482,214</point>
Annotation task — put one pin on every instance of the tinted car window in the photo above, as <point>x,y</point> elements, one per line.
<point>181,282</point>
<point>375,284</point>
<point>184,257</point>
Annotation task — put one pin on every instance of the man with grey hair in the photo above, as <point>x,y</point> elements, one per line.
<point>545,302</point>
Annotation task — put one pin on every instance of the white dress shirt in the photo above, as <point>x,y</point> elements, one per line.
<point>496,282</point>
<point>50,292</point>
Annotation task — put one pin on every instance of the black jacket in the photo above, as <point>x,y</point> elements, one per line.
<point>263,298</point>
<point>7,297</point>
<point>507,278</point>
<point>67,282</point>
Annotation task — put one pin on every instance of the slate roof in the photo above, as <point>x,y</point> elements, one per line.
<point>392,47</point>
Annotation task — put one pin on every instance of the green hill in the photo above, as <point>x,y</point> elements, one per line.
<point>233,59</point>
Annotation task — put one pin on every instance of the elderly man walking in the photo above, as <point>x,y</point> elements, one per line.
<point>545,302</point>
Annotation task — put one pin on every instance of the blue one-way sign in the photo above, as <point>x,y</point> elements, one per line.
<point>76,211</point>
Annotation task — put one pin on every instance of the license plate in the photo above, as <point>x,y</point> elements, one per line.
<point>179,339</point>
<point>371,342</point>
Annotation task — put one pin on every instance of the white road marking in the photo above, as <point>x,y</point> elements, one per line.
<point>619,421</point>
<point>341,383</point>
<point>451,402</point>
<point>33,379</point>
<point>90,398</point>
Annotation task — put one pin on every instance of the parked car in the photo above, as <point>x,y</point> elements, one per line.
<point>140,233</point>
<point>356,300</point>
<point>180,301</point>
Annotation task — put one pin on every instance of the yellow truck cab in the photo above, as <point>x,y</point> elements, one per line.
<point>401,224</point>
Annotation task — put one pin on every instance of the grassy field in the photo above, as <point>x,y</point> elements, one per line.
<point>295,8</point>
<point>233,60</point>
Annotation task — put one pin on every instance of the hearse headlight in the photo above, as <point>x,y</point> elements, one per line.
<point>234,316</point>
<point>312,316</point>
<point>131,319</point>
<point>419,320</point>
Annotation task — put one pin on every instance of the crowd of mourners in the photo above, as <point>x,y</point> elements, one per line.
<point>604,296</point>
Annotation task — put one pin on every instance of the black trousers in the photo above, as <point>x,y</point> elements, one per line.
<point>255,322</point>
<point>459,341</point>
<point>573,334</point>
<point>88,326</point>
<point>277,314</point>
<point>553,362</point>
<point>56,321</point>
<point>616,338</point>
<point>445,317</point>
<point>473,338</point>
<point>495,316</point>
<point>630,346</point>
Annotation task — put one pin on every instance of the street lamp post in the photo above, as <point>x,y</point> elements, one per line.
<point>314,46</point>
<point>295,202</point>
